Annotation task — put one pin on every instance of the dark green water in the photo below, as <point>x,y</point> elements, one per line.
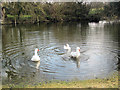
<point>99,43</point>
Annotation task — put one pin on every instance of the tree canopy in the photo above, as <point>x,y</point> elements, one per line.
<point>17,12</point>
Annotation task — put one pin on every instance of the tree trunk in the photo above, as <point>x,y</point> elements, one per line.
<point>15,21</point>
<point>0,11</point>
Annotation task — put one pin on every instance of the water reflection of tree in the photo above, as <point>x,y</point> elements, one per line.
<point>16,42</point>
<point>8,67</point>
<point>8,38</point>
<point>0,57</point>
<point>114,36</point>
<point>119,53</point>
<point>77,61</point>
<point>12,45</point>
<point>69,32</point>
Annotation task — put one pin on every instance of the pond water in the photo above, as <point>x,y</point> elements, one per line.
<point>99,44</point>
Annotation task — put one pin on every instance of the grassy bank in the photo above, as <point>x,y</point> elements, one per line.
<point>111,82</point>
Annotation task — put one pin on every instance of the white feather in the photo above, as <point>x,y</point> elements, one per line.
<point>75,54</point>
<point>68,48</point>
<point>35,57</point>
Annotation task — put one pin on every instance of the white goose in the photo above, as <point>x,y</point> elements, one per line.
<point>75,54</point>
<point>36,57</point>
<point>68,48</point>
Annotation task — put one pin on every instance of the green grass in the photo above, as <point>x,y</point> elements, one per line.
<point>111,82</point>
<point>95,11</point>
<point>11,16</point>
<point>26,16</point>
<point>22,16</point>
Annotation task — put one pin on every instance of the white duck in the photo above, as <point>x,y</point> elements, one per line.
<point>68,48</point>
<point>36,57</point>
<point>75,54</point>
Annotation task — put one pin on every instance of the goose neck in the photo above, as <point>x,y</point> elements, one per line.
<point>35,52</point>
<point>69,50</point>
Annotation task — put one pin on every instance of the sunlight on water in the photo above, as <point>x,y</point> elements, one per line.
<point>98,43</point>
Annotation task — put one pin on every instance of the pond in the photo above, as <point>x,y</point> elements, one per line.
<point>98,42</point>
